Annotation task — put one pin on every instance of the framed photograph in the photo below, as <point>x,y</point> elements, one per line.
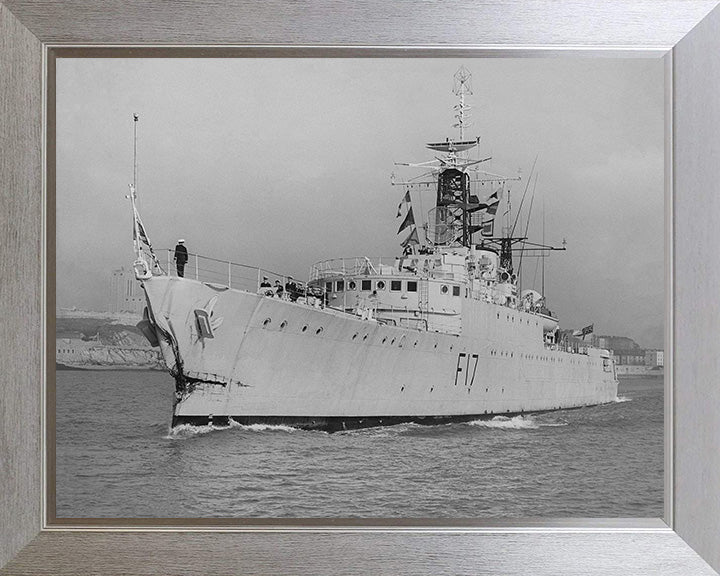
<point>216,324</point>
<point>456,195</point>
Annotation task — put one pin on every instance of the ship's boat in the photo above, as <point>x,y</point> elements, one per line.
<point>440,333</point>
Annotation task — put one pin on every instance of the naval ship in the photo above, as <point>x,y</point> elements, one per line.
<point>440,333</point>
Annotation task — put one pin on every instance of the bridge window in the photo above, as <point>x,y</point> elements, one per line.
<point>328,286</point>
<point>412,286</point>
<point>366,285</point>
<point>395,285</point>
<point>456,290</point>
<point>340,285</point>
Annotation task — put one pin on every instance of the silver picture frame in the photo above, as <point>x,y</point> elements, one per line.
<point>685,33</point>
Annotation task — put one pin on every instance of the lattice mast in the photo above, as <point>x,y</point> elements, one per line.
<point>451,220</point>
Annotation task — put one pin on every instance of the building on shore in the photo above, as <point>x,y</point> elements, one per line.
<point>630,358</point>
<point>125,293</point>
<point>654,358</point>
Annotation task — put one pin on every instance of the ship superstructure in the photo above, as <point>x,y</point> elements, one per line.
<point>440,333</point>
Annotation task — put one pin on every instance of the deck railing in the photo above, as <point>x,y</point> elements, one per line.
<point>222,272</point>
<point>357,266</point>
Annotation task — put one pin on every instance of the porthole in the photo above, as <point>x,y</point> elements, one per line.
<point>383,340</point>
<point>444,289</point>
<point>416,343</point>
<point>381,285</point>
<point>354,336</point>
<point>402,388</point>
<point>283,324</point>
<point>319,330</point>
<point>435,345</point>
<point>450,347</point>
<point>431,389</point>
<point>365,337</point>
<point>392,341</point>
<point>304,328</point>
<point>266,321</point>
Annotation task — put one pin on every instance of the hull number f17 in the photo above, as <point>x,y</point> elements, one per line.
<point>466,369</point>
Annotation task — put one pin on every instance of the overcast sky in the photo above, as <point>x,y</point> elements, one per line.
<point>281,163</point>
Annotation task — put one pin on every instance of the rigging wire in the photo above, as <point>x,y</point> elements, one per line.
<point>527,224</point>
<point>517,216</point>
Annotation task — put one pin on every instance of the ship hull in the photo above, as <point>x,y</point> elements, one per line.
<point>257,359</point>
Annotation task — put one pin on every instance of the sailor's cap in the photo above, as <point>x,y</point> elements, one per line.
<point>181,240</point>
<point>265,277</point>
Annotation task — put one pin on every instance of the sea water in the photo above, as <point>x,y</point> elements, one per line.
<point>118,458</point>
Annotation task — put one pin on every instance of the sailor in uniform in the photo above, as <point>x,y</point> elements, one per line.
<point>278,289</point>
<point>291,289</point>
<point>266,287</point>
<point>181,257</point>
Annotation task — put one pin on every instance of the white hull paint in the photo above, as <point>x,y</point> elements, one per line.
<point>271,359</point>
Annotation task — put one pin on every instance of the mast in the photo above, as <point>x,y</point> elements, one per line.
<point>543,241</point>
<point>462,87</point>
<point>454,217</point>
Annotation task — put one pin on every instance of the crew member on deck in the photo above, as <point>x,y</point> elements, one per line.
<point>278,289</point>
<point>291,289</point>
<point>266,287</point>
<point>181,257</point>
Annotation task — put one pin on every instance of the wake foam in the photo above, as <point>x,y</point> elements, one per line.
<point>263,427</point>
<point>384,431</point>
<point>620,399</point>
<point>519,422</point>
<point>184,431</point>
